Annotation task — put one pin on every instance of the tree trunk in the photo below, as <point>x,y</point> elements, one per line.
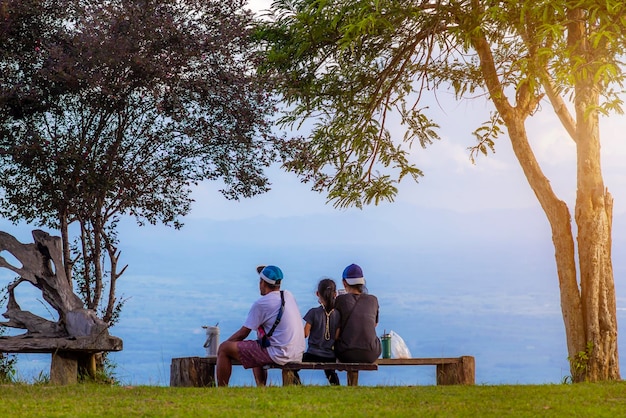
<point>559,218</point>
<point>98,227</point>
<point>86,266</point>
<point>599,359</point>
<point>589,314</point>
<point>589,311</point>
<point>594,213</point>
<point>65,240</point>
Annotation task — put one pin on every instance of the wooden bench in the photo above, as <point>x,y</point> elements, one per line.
<point>77,336</point>
<point>200,371</point>
<point>67,353</point>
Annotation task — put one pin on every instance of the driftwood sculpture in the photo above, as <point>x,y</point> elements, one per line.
<point>77,334</point>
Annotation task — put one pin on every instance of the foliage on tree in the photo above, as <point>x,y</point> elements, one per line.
<point>354,66</point>
<point>119,108</point>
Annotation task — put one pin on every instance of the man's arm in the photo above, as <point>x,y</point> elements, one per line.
<point>240,335</point>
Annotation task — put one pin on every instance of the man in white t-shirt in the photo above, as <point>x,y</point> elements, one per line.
<point>284,338</point>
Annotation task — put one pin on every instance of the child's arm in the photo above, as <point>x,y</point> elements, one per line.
<point>308,318</point>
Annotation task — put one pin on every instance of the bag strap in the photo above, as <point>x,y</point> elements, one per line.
<point>280,314</point>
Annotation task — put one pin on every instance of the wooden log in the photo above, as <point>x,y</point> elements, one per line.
<point>87,364</point>
<point>64,368</point>
<point>353,377</point>
<point>42,266</point>
<point>192,372</point>
<point>88,344</point>
<point>289,378</point>
<point>458,373</point>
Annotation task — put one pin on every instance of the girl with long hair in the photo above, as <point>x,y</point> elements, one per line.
<point>320,328</point>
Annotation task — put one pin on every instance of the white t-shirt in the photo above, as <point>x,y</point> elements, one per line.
<point>287,341</point>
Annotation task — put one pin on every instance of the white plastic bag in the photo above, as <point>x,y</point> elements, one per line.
<point>398,346</point>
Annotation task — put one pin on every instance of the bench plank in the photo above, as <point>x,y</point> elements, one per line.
<point>342,367</point>
<point>84,344</point>
<point>450,371</point>
<point>416,361</point>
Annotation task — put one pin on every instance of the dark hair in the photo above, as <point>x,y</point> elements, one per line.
<point>272,287</point>
<point>358,287</point>
<point>327,290</point>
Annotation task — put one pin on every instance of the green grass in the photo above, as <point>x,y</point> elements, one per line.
<point>89,400</point>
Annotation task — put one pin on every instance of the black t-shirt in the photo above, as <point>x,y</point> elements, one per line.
<point>322,340</point>
<point>358,318</point>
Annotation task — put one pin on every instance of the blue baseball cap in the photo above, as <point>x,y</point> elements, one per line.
<point>353,275</point>
<point>271,274</point>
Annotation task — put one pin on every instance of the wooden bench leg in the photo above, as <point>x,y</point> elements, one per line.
<point>87,365</point>
<point>461,373</point>
<point>289,378</point>
<point>353,378</point>
<point>64,368</point>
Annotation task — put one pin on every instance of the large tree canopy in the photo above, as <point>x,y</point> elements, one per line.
<point>117,108</point>
<point>354,66</point>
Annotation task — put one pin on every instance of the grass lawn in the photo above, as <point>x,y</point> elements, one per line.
<point>90,400</point>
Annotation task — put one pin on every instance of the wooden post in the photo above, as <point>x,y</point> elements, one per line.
<point>64,368</point>
<point>192,372</point>
<point>87,366</point>
<point>461,373</point>
<point>289,378</point>
<point>353,377</point>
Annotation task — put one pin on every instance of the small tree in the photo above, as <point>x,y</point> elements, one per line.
<point>7,361</point>
<point>118,108</point>
<point>351,64</point>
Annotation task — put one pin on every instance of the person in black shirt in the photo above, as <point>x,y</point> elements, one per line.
<point>356,340</point>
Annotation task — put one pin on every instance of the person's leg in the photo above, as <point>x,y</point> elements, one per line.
<point>332,377</point>
<point>226,353</point>
<point>306,357</point>
<point>260,376</point>
<point>253,356</point>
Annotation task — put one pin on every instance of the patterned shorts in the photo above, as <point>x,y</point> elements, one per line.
<point>251,354</point>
